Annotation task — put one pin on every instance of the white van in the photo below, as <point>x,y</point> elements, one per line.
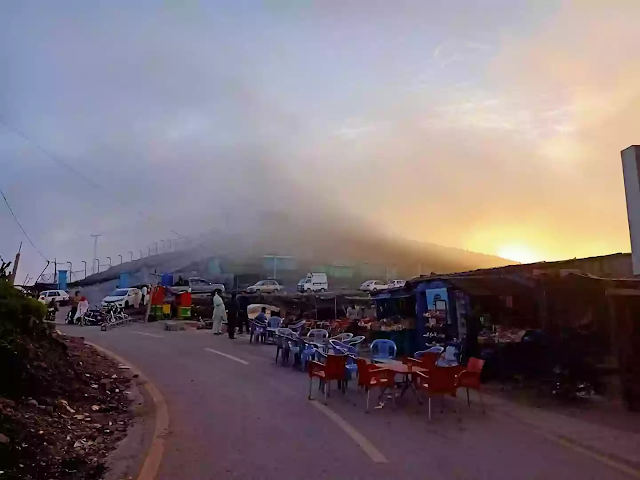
<point>314,282</point>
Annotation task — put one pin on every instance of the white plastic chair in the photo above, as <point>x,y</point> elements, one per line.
<point>318,336</point>
<point>343,337</point>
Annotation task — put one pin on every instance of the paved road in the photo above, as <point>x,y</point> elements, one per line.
<point>235,414</point>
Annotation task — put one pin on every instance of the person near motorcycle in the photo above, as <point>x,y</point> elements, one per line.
<point>74,304</point>
<point>83,307</point>
<point>52,310</point>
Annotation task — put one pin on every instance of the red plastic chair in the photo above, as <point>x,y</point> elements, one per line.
<point>371,375</point>
<point>470,378</point>
<point>333,369</point>
<point>438,381</point>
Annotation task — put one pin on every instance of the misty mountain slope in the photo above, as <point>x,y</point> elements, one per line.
<point>313,238</point>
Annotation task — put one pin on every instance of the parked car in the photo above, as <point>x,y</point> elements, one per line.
<point>314,282</point>
<point>122,297</point>
<point>198,285</point>
<point>373,286</point>
<point>265,286</point>
<point>396,283</point>
<point>60,296</point>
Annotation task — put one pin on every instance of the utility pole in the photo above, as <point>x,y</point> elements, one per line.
<point>275,262</point>
<point>95,251</point>
<point>12,277</point>
<point>70,270</point>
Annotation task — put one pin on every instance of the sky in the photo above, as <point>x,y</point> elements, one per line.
<point>493,126</point>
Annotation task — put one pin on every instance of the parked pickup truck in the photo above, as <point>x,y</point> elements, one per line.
<point>198,285</point>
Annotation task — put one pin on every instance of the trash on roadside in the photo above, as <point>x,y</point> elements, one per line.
<point>66,405</point>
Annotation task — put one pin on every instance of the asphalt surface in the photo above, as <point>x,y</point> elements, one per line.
<point>234,413</point>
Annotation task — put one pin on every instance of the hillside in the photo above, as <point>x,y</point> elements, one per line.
<point>320,242</point>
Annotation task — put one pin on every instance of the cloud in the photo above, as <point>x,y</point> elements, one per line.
<point>510,136</point>
<point>476,45</point>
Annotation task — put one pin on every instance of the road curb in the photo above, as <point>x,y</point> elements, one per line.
<point>154,453</point>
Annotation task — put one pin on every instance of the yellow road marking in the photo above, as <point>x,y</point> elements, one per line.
<point>152,461</point>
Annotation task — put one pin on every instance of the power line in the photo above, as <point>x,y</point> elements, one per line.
<point>76,171</point>
<point>20,225</point>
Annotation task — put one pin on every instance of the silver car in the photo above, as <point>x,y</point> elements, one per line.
<point>265,286</point>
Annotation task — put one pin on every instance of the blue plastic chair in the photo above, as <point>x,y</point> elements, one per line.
<point>258,330</point>
<point>307,353</point>
<point>273,323</point>
<point>352,367</point>
<point>281,338</point>
<point>383,349</point>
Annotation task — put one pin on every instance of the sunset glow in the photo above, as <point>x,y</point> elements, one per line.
<point>519,253</point>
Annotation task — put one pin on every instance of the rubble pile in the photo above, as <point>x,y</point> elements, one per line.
<point>63,405</point>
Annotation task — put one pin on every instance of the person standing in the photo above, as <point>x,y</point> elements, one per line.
<point>243,317</point>
<point>219,313</point>
<point>352,312</point>
<point>144,295</point>
<point>232,315</point>
<point>74,306</point>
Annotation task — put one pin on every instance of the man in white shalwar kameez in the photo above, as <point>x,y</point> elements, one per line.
<point>219,314</point>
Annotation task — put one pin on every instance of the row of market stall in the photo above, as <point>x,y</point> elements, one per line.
<point>530,328</point>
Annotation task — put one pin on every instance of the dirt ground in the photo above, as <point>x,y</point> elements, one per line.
<point>70,423</point>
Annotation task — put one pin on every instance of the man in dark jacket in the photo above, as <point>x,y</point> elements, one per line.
<point>232,316</point>
<point>243,319</point>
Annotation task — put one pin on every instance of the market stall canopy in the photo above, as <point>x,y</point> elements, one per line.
<point>480,285</point>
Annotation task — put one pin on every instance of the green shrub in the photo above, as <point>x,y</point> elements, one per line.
<point>30,354</point>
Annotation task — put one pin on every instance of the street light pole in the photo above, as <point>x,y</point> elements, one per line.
<point>169,244</point>
<point>149,253</point>
<point>120,259</point>
<point>85,268</point>
<point>70,270</point>
<point>131,256</point>
<point>162,242</point>
<point>140,253</point>
<point>109,261</point>
<point>156,244</point>
<point>95,250</point>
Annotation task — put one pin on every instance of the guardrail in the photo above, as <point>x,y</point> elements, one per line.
<point>109,325</point>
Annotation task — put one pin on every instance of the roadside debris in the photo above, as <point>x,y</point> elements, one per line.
<point>73,415</point>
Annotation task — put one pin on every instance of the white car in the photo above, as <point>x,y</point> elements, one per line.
<point>373,286</point>
<point>265,286</point>
<point>122,297</point>
<point>48,296</point>
<point>396,283</point>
